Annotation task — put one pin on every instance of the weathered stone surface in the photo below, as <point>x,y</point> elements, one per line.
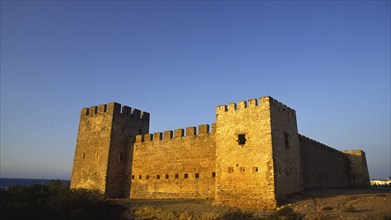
<point>359,175</point>
<point>322,166</point>
<point>252,157</point>
<point>245,170</point>
<point>102,147</point>
<point>175,167</point>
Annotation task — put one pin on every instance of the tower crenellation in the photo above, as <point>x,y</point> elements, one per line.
<point>251,103</point>
<point>114,108</point>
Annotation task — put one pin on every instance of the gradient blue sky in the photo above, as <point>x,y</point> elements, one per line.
<point>328,60</point>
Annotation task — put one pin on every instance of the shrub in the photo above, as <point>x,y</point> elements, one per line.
<point>55,201</point>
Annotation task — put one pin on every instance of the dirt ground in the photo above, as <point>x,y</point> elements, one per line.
<point>316,204</point>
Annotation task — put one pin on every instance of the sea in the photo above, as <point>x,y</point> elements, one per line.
<point>5,183</point>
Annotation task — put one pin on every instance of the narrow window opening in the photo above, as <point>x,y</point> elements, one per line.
<point>120,156</point>
<point>140,177</point>
<point>166,176</point>
<point>132,177</point>
<point>255,169</point>
<point>241,139</point>
<point>84,155</point>
<point>197,175</point>
<point>286,139</point>
<point>213,174</point>
<point>230,169</point>
<point>97,155</point>
<point>147,177</point>
<point>186,176</point>
<point>158,177</point>
<point>176,176</point>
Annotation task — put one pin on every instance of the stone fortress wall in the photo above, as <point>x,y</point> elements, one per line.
<point>253,157</point>
<point>174,164</point>
<point>326,167</point>
<point>322,165</point>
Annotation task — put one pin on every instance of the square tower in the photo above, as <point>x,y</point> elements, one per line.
<point>103,146</point>
<point>257,153</point>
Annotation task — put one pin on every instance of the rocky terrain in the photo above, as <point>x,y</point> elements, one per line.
<point>316,204</point>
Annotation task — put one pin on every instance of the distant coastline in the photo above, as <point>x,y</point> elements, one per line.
<point>5,183</point>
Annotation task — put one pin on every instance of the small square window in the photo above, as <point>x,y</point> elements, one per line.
<point>242,169</point>
<point>230,169</point>
<point>147,177</point>
<point>176,176</point>
<point>241,139</point>
<point>132,177</point>
<point>255,169</point>
<point>140,177</point>
<point>197,175</point>
<point>186,176</point>
<point>158,177</point>
<point>213,174</point>
<point>166,176</point>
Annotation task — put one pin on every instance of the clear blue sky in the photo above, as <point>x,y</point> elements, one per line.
<point>328,60</point>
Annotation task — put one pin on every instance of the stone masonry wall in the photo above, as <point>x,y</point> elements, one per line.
<point>174,165</point>
<point>127,123</point>
<point>286,150</point>
<point>322,166</point>
<point>103,138</point>
<point>359,175</point>
<point>244,162</point>
<point>92,148</point>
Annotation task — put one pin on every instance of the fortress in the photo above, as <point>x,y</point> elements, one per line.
<point>251,157</point>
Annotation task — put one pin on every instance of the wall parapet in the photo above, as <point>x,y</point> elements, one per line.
<point>177,133</point>
<point>357,152</point>
<point>252,103</point>
<point>114,108</point>
<point>304,138</point>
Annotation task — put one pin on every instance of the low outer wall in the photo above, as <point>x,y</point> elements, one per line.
<point>174,166</point>
<point>322,166</point>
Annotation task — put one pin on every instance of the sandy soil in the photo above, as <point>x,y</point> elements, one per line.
<point>315,204</point>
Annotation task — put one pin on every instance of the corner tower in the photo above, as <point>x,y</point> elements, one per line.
<point>104,136</point>
<point>257,153</point>
<point>359,175</point>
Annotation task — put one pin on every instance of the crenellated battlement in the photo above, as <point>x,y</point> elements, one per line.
<point>357,152</point>
<point>253,103</point>
<point>114,108</point>
<point>177,133</point>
